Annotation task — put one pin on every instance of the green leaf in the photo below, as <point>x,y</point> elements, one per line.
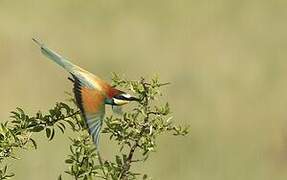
<point>118,160</point>
<point>69,161</point>
<point>61,128</point>
<point>48,132</point>
<point>34,143</point>
<point>144,177</point>
<point>71,123</point>
<point>66,107</point>
<point>52,134</point>
<point>60,177</point>
<point>37,129</point>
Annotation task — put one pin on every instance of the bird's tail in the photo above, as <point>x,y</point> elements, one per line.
<point>66,64</point>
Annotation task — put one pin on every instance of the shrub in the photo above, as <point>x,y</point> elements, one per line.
<point>135,130</point>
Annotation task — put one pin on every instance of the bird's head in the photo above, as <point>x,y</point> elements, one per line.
<point>123,98</point>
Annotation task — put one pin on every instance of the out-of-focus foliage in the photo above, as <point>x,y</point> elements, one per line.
<point>135,130</point>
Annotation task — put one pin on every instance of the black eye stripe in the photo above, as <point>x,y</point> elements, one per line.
<point>121,97</point>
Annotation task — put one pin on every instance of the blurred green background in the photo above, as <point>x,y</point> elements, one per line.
<point>226,61</point>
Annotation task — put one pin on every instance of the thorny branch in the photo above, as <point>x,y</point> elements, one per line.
<point>134,131</point>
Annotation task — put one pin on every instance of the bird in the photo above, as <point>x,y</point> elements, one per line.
<point>91,93</point>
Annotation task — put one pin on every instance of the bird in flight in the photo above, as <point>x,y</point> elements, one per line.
<point>91,92</point>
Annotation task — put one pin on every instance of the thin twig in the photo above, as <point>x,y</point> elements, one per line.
<point>101,163</point>
<point>127,163</point>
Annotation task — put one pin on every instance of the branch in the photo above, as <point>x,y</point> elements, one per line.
<point>135,131</point>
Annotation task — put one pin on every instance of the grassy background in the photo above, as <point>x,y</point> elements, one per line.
<point>226,61</point>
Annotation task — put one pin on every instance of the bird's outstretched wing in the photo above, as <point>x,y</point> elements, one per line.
<point>90,91</point>
<point>92,105</point>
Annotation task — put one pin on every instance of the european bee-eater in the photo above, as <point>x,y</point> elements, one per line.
<point>91,92</point>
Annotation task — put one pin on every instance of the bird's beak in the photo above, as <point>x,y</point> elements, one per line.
<point>133,99</point>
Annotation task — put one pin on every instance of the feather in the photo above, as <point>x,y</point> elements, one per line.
<point>92,106</point>
<point>87,78</point>
<point>55,57</point>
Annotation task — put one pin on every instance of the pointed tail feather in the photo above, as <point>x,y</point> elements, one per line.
<point>66,64</point>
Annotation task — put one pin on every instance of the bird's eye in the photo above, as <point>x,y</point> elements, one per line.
<point>118,97</point>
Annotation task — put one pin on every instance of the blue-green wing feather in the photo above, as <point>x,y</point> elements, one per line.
<point>95,124</point>
<point>66,64</point>
<point>84,76</point>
